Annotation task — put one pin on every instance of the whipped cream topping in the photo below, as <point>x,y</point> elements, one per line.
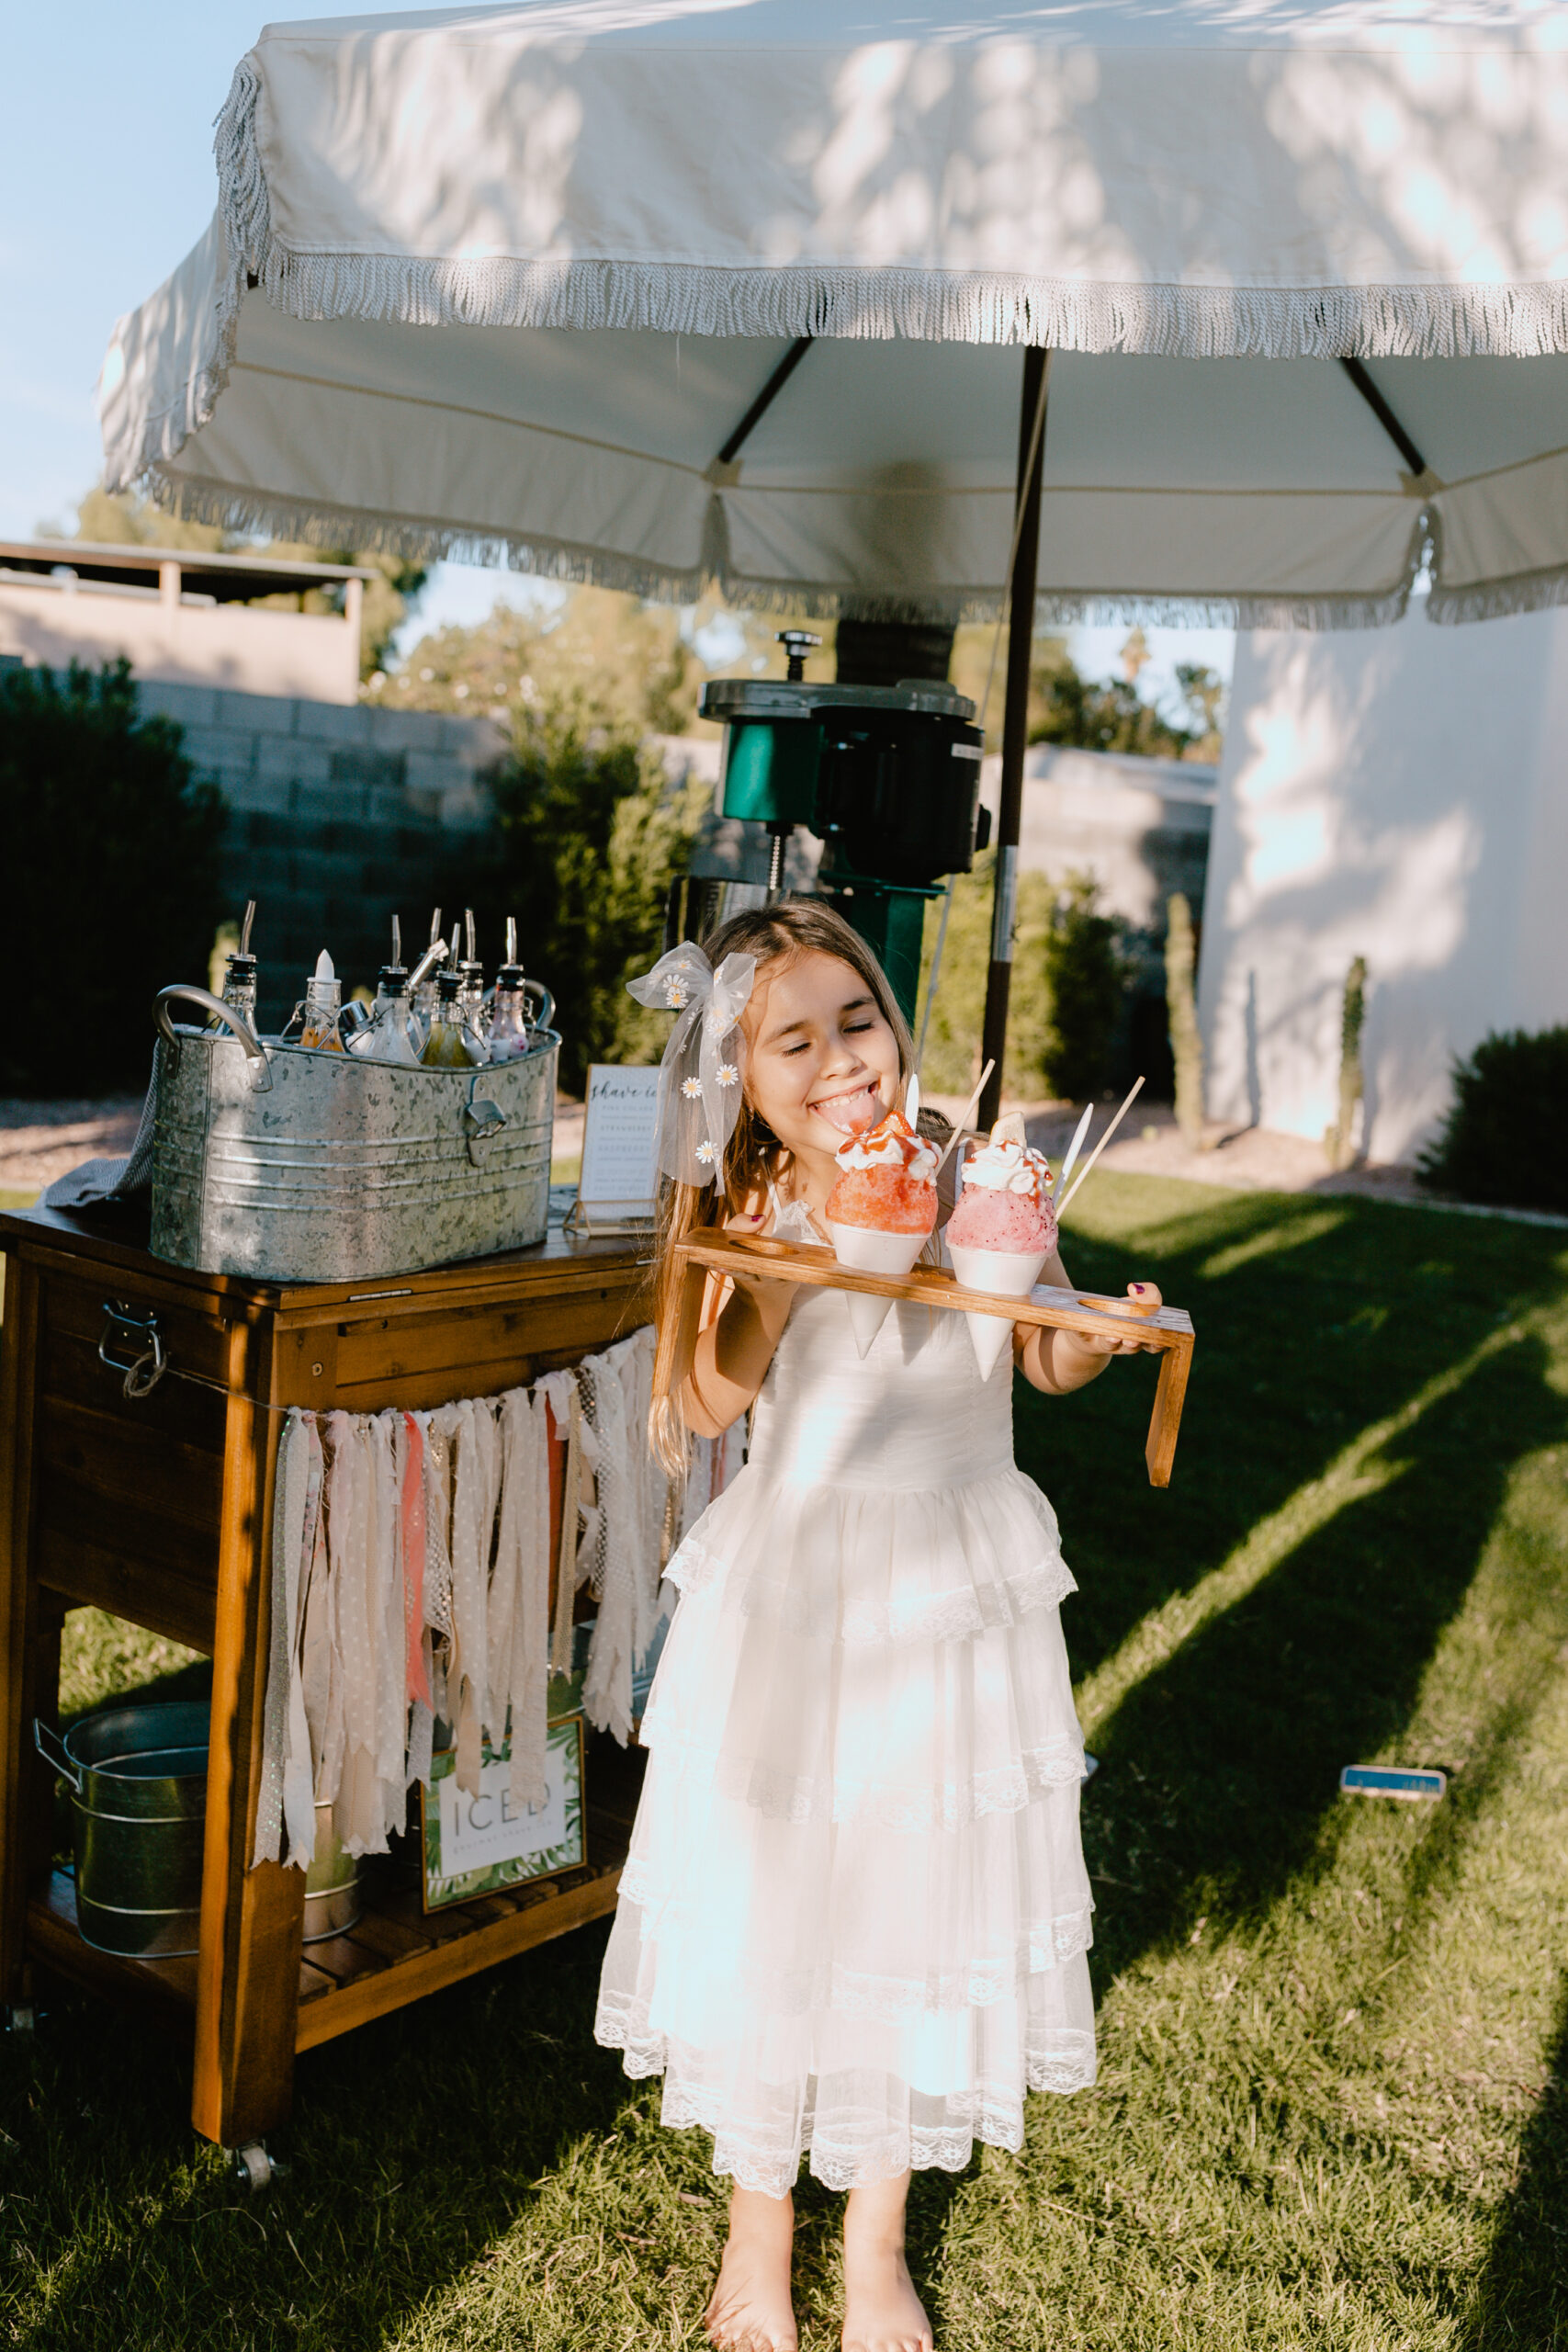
<point>892,1143</point>
<point>1004,1166</point>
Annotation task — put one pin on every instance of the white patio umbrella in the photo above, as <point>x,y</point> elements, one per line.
<point>666,293</point>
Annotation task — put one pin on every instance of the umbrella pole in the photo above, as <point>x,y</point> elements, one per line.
<point>1021,576</point>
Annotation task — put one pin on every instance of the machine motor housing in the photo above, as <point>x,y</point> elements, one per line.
<point>889,776</point>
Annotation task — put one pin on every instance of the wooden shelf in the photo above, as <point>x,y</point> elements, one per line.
<point>394,1953</point>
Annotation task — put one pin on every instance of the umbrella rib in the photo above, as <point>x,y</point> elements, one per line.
<point>765,400</point>
<point>1385,416</point>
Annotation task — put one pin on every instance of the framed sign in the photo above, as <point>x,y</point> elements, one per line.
<point>620,1173</point>
<point>480,1845</point>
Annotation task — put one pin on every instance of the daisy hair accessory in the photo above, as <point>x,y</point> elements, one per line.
<point>699,1079</point>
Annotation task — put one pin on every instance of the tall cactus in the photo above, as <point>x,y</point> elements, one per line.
<point>1181,1013</point>
<point>1339,1142</point>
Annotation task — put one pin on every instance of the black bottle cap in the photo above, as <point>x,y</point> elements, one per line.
<point>448,985</point>
<point>392,979</point>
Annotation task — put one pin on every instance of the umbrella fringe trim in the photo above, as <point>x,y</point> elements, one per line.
<point>854,302</point>
<point>318,525</point>
<point>1492,600</point>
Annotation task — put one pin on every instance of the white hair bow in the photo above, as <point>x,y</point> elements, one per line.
<point>701,1077</point>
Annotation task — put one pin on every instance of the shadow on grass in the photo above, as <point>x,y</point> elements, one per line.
<point>1221,1764</point>
<point>1522,2297</point>
<point>417,2141</point>
<point>1313,1320</point>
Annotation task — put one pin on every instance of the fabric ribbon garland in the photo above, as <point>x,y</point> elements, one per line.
<point>702,1075</point>
<point>411,1564</point>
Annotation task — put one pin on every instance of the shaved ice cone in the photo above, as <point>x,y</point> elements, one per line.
<point>1007,1274</point>
<point>1001,1232</point>
<point>881,1212</point>
<point>864,1250</point>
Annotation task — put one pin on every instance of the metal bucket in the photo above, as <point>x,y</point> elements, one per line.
<point>288,1164</point>
<point>331,1883</point>
<point>139,1782</point>
<point>139,1778</point>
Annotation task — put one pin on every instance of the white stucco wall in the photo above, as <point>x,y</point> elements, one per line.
<point>244,649</point>
<point>1400,794</point>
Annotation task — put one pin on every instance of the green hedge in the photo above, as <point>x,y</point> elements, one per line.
<point>108,877</point>
<point>1506,1136</point>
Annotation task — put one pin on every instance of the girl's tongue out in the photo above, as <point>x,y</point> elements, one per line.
<point>851,1114</point>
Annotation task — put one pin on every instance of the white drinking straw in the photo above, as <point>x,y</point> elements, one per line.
<point>1075,1145</point>
<point>968,1113</point>
<point>1063,1206</point>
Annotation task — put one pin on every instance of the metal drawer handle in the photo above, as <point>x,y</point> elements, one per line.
<point>256,1064</point>
<point>50,1748</point>
<point>147,1367</point>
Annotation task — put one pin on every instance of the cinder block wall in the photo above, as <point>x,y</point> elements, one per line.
<point>338,818</point>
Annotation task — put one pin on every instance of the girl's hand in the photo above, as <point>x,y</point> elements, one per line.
<point>1122,1340</point>
<point>1058,1361</point>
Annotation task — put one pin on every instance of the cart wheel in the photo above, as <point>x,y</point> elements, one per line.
<point>254,2168</point>
<point>21,2017</point>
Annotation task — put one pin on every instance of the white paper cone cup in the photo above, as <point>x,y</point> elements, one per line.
<point>864,1250</point>
<point>1008,1273</point>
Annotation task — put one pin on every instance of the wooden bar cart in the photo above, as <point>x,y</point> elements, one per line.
<point>157,1507</point>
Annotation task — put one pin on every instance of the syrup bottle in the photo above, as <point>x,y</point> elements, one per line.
<point>323,1001</point>
<point>509,1013</point>
<point>451,1044</point>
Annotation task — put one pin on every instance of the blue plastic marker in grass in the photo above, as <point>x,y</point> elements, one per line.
<point>1408,1782</point>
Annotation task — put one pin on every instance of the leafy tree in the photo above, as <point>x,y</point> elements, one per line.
<point>1087,981</point>
<point>591,833</point>
<point>1110,714</point>
<point>951,1061</point>
<point>610,660</point>
<point>109,887</point>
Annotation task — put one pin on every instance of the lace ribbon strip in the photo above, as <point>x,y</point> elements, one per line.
<point>411,1573</point>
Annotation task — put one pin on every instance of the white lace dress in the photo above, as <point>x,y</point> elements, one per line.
<point>855,1914</point>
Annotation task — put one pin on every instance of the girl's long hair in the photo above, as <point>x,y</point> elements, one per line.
<point>774,936</point>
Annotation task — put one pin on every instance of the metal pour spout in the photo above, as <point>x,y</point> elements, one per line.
<point>434,953</point>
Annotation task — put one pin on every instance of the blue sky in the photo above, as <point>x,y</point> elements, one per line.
<point>106,181</point>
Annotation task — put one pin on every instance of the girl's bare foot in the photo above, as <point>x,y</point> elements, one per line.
<point>882,2311</point>
<point>749,2309</point>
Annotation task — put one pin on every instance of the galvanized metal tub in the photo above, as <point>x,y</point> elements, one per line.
<point>292,1165</point>
<point>332,1884</point>
<point>138,1777</point>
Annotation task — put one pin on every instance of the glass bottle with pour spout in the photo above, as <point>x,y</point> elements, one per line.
<point>394,1034</point>
<point>452,1044</point>
<point>240,973</point>
<point>324,1002</point>
<point>423,993</point>
<point>472,974</point>
<point>509,1028</point>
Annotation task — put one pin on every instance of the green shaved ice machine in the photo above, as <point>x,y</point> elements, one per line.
<point>889,779</point>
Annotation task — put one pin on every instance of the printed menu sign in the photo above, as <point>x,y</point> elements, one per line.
<point>620,1173</point>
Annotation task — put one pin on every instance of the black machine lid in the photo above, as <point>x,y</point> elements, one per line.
<point>732,698</point>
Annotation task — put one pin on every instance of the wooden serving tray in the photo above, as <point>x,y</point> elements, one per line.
<point>1167,1330</point>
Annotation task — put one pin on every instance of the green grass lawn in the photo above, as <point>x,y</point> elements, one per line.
<point>1332,2107</point>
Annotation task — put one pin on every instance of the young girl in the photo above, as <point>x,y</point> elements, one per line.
<point>855,1914</point>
